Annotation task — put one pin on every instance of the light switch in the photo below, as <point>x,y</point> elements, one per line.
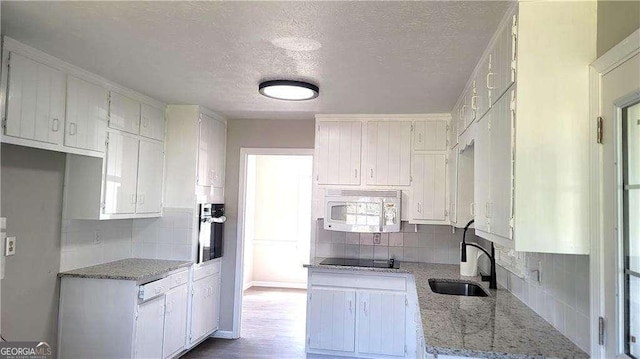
<point>10,248</point>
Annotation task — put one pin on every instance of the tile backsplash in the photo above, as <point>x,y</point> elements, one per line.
<point>168,237</point>
<point>421,243</point>
<point>86,243</point>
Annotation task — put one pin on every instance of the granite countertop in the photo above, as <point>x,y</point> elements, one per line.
<point>137,269</point>
<point>497,326</point>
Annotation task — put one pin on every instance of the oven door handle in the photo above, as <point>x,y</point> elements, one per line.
<point>220,219</point>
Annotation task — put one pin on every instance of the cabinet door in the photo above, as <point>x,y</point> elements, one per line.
<point>338,152</point>
<point>463,114</point>
<point>501,185</point>
<point>217,144</point>
<point>381,323</point>
<point>502,62</point>
<point>205,308</point>
<point>453,185</point>
<point>152,122</point>
<point>205,149</point>
<point>453,133</point>
<point>430,136</point>
<point>473,104</point>
<point>332,319</point>
<point>388,153</point>
<point>482,91</point>
<point>86,121</point>
<point>121,174</point>
<point>214,303</point>
<point>150,175</point>
<point>149,329</point>
<point>482,171</point>
<point>35,101</point>
<point>429,187</point>
<point>175,321</point>
<point>124,113</point>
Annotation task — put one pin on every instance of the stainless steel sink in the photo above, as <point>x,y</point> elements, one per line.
<point>467,289</point>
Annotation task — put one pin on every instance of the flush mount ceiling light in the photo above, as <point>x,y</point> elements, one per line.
<point>289,90</point>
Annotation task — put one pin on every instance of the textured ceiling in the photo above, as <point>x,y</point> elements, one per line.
<point>367,57</point>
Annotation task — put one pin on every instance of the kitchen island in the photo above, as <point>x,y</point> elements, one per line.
<point>496,326</point>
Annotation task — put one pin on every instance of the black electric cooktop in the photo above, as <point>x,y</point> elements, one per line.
<point>351,262</point>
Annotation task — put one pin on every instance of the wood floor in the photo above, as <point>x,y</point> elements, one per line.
<point>273,326</point>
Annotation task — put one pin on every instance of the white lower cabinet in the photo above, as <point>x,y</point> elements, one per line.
<point>358,315</point>
<point>205,307</point>
<point>175,320</point>
<point>331,316</point>
<point>149,329</point>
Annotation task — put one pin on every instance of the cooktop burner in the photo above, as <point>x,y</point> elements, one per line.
<point>351,262</point>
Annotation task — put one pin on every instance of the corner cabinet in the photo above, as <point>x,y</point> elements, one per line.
<point>358,315</point>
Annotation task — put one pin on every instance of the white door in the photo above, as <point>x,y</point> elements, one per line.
<point>338,153</point>
<point>500,155</point>
<point>124,113</point>
<point>175,321</point>
<point>216,155</point>
<point>150,176</point>
<point>429,187</point>
<point>86,122</point>
<point>152,122</point>
<point>620,245</point>
<point>331,319</point>
<point>482,173</point>
<point>35,101</point>
<point>121,174</point>
<point>381,323</point>
<point>205,149</point>
<point>388,153</point>
<point>149,329</point>
<point>502,57</point>
<point>430,136</point>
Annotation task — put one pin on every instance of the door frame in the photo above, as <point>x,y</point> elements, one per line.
<point>613,58</point>
<point>238,288</point>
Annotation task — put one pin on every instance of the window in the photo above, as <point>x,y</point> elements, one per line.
<point>631,228</point>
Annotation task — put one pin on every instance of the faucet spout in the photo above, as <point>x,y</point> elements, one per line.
<point>492,257</point>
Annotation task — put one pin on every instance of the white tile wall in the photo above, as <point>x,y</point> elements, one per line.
<point>79,247</point>
<point>170,237</point>
<point>562,295</point>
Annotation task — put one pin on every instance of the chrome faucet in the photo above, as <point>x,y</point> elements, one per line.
<point>492,256</point>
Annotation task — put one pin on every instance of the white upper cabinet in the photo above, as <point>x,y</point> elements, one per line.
<point>482,173</point>
<point>124,113</point>
<point>430,135</point>
<point>481,103</point>
<point>453,131</point>
<point>338,152</point>
<point>429,187</point>
<point>152,122</point>
<point>121,174</point>
<point>150,176</point>
<point>211,154</point>
<point>35,101</point>
<point>86,122</point>
<point>502,61</point>
<point>388,153</point>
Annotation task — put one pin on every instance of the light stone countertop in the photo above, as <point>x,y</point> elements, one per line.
<point>497,326</point>
<point>137,269</point>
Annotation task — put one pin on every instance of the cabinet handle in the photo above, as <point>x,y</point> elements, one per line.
<point>55,125</point>
<point>419,208</point>
<point>420,137</point>
<point>488,209</point>
<point>133,198</point>
<point>371,172</point>
<point>365,307</point>
<point>72,128</point>
<point>474,102</point>
<point>490,85</point>
<point>355,173</point>
<point>141,199</point>
<point>350,306</point>
<point>472,208</point>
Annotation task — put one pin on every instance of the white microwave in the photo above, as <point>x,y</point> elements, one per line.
<point>362,211</point>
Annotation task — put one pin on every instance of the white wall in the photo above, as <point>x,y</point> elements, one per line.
<point>279,223</point>
<point>86,243</point>
<point>173,236</point>
<point>250,134</point>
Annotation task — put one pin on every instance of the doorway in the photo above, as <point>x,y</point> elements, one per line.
<point>274,236</point>
<point>616,253</point>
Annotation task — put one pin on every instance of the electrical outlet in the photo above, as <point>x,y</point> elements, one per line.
<point>96,237</point>
<point>376,238</point>
<point>10,248</point>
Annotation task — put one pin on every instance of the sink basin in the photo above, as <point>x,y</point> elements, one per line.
<point>467,289</point>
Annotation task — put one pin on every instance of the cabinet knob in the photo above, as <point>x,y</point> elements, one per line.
<point>490,84</point>
<point>72,128</point>
<point>55,125</point>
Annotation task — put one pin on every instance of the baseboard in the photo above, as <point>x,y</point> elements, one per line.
<point>223,334</point>
<point>278,285</point>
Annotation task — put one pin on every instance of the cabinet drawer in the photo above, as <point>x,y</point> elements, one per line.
<point>206,270</point>
<point>153,289</point>
<point>178,279</point>
<point>359,281</point>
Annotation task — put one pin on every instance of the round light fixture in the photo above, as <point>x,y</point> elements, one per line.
<point>289,90</point>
